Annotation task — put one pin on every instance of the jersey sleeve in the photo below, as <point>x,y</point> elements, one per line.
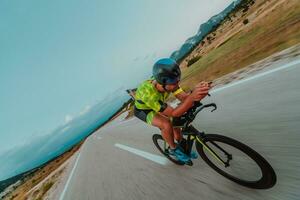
<point>179,90</point>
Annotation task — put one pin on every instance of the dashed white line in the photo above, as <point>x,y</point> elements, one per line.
<point>155,158</point>
<point>162,160</point>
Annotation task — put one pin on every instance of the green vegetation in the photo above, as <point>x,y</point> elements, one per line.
<point>246,21</point>
<point>14,196</point>
<point>45,189</point>
<point>233,44</point>
<point>277,30</point>
<point>47,186</point>
<point>193,60</point>
<point>244,5</point>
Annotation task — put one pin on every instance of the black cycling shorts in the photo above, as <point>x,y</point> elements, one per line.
<point>142,114</point>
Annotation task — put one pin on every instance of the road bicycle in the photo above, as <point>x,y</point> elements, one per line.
<point>229,157</point>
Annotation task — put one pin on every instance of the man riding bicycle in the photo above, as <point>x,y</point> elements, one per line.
<point>150,105</point>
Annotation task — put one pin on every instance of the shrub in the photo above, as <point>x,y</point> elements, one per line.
<point>193,60</point>
<point>246,21</point>
<point>46,187</point>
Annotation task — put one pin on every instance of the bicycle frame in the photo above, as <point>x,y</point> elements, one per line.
<point>193,134</point>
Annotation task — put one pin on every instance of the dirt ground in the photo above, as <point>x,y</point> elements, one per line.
<point>37,185</point>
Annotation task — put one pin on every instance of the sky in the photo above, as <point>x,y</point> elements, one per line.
<point>66,64</point>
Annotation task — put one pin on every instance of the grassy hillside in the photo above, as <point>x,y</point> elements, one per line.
<point>267,27</point>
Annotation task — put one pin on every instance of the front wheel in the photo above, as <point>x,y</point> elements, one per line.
<point>246,166</point>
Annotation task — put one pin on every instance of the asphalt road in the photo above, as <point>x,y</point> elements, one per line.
<point>262,112</point>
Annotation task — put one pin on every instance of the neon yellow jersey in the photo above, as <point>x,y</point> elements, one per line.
<point>147,97</point>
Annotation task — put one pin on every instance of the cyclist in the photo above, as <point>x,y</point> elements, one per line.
<point>150,105</point>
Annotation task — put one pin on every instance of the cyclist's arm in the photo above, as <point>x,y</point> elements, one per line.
<point>167,110</point>
<point>198,93</point>
<point>182,95</point>
<point>179,110</point>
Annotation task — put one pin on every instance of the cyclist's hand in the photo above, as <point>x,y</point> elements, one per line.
<point>204,84</point>
<point>200,91</point>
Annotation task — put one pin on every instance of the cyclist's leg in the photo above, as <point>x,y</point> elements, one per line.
<point>165,125</point>
<point>177,134</point>
<point>160,121</point>
<point>178,137</point>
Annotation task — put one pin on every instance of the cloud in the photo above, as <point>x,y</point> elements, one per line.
<point>65,128</point>
<point>85,110</point>
<point>68,118</point>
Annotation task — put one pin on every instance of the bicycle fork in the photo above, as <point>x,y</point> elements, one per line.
<point>216,156</point>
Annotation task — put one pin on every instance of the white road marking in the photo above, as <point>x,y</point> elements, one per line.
<point>257,76</point>
<point>69,179</point>
<point>155,158</point>
<point>162,160</point>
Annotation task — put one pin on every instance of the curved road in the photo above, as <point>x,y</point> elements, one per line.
<point>120,161</point>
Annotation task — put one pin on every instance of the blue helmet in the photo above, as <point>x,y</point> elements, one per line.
<point>166,71</point>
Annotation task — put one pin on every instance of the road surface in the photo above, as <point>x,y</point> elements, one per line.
<point>120,161</point>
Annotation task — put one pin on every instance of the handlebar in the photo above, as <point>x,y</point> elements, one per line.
<point>190,115</point>
<point>206,106</point>
<point>198,106</point>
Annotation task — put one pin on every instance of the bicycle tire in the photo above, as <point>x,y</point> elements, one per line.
<point>268,178</point>
<point>156,138</point>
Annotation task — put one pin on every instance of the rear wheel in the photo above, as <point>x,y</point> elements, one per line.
<point>246,166</point>
<point>163,147</point>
